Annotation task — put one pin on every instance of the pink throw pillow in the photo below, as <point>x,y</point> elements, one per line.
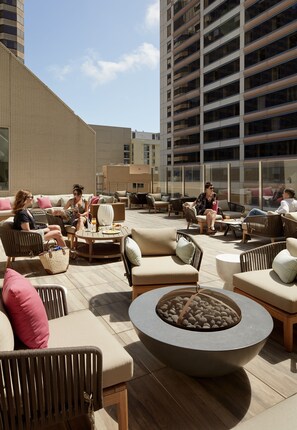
<point>5,204</point>
<point>44,202</point>
<point>94,200</point>
<point>25,309</point>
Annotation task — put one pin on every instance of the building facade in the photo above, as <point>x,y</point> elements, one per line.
<point>228,81</point>
<point>12,26</point>
<point>145,148</point>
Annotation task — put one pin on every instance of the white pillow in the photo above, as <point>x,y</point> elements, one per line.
<point>133,251</point>
<point>285,265</point>
<point>185,250</point>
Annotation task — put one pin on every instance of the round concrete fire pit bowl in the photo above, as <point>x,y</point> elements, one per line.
<point>201,353</point>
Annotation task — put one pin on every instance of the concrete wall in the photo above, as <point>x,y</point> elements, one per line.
<point>110,143</point>
<point>50,148</point>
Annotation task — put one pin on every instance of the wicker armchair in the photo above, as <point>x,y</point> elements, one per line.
<point>162,267</point>
<point>290,226</point>
<point>176,205</point>
<point>45,387</point>
<point>20,243</point>
<point>199,220</point>
<point>230,209</point>
<point>269,226</point>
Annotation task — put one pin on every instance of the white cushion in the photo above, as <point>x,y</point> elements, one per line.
<point>6,335</point>
<point>133,251</point>
<point>185,250</point>
<point>285,265</point>
<point>291,244</point>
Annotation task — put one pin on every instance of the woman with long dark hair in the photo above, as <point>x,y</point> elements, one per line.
<point>78,207</point>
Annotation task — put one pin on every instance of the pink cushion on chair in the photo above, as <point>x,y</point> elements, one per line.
<point>26,311</point>
<point>5,204</point>
<point>94,200</point>
<point>44,202</point>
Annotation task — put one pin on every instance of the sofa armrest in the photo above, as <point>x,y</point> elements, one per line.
<point>48,386</point>
<point>235,207</point>
<point>261,257</point>
<point>54,300</point>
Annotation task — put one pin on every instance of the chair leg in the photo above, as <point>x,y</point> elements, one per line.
<point>288,334</point>
<point>118,396</point>
<point>9,261</point>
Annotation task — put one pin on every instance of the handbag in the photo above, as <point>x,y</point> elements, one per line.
<point>55,260</point>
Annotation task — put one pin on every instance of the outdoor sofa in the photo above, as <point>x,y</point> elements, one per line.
<point>269,276</point>
<point>52,361</point>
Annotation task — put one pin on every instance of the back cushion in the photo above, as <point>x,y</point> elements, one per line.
<point>25,309</point>
<point>291,244</point>
<point>55,200</point>
<point>223,204</point>
<point>6,334</point>
<point>161,241</point>
<point>156,196</point>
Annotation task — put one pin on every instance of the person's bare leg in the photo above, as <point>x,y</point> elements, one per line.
<point>57,235</point>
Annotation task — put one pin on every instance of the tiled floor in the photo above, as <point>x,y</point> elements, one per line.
<point>159,397</point>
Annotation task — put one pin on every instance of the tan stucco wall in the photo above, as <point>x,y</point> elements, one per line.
<point>110,143</point>
<point>51,148</point>
<point>117,178</point>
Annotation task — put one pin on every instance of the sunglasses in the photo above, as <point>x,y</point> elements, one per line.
<point>30,197</point>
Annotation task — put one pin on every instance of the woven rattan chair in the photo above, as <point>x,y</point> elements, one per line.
<point>19,243</point>
<point>258,261</point>
<point>268,226</point>
<point>199,220</point>
<point>44,387</point>
<point>290,227</point>
<point>164,275</point>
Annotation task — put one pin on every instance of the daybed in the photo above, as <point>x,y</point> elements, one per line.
<point>53,383</point>
<point>155,258</point>
<point>269,277</point>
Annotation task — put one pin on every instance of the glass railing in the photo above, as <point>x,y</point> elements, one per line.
<point>252,184</point>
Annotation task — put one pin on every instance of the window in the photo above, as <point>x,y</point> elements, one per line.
<point>266,125</point>
<point>220,11</point>
<point>258,8</point>
<point>272,24</point>
<point>277,98</point>
<point>223,133</point>
<point>4,148</point>
<point>271,75</point>
<point>221,154</point>
<point>271,149</point>
<point>221,51</point>
<point>221,31</point>
<point>222,72</point>
<point>219,114</point>
<point>221,92</point>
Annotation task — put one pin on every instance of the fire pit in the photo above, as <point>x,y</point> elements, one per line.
<point>202,309</point>
<point>208,351</point>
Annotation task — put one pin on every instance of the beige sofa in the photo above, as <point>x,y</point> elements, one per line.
<point>269,276</point>
<point>67,364</point>
<point>57,201</point>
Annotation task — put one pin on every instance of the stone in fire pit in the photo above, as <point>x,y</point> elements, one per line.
<point>203,309</point>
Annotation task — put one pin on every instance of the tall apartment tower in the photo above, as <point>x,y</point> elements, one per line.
<point>12,26</point>
<point>228,80</point>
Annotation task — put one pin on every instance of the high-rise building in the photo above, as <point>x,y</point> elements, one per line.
<point>228,80</point>
<point>12,26</point>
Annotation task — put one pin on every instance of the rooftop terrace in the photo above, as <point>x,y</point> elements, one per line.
<point>159,397</point>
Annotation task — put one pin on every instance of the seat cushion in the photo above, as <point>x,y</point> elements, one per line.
<point>159,241</point>
<point>203,217</point>
<point>163,270</point>
<point>82,328</point>
<point>232,214</point>
<point>267,286</point>
<point>6,333</point>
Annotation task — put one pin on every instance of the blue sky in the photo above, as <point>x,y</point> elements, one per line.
<point>101,57</point>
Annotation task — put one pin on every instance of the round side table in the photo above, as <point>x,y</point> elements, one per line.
<point>227,265</point>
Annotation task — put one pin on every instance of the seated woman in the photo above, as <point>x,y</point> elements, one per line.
<point>205,205</point>
<point>23,219</point>
<point>78,207</point>
<point>288,204</point>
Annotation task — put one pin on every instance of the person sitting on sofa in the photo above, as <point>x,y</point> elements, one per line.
<point>23,219</point>
<point>79,208</point>
<point>205,205</point>
<point>288,204</point>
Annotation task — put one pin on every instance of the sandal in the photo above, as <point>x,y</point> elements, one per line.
<point>211,231</point>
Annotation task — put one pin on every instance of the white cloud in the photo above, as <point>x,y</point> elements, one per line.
<point>152,16</point>
<point>146,55</point>
<point>60,72</point>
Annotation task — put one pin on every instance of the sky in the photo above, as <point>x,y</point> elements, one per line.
<point>101,57</point>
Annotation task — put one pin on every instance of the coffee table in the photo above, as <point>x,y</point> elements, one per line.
<point>234,225</point>
<point>198,353</point>
<point>105,243</point>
